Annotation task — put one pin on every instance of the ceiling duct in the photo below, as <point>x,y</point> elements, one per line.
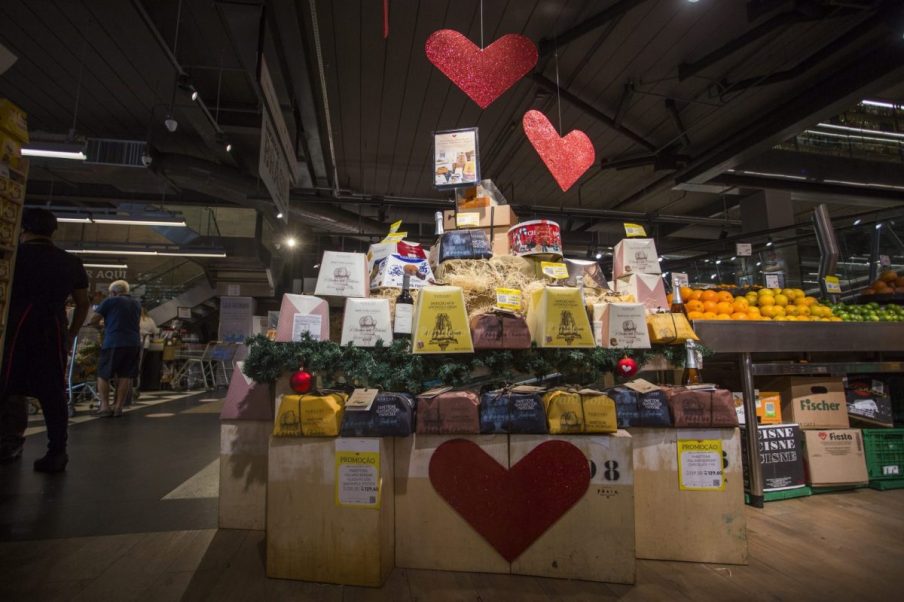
<point>127,153</point>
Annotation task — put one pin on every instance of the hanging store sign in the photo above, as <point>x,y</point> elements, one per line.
<point>456,161</point>
<point>744,249</point>
<point>277,165</point>
<point>774,279</point>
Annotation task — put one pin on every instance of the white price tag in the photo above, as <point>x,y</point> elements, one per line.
<point>554,269</point>
<point>508,298</point>
<point>361,400</point>
<point>743,249</point>
<point>467,220</point>
<point>833,285</point>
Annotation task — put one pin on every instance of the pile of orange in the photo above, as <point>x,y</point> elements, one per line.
<point>786,305</point>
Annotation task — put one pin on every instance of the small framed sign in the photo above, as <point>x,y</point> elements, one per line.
<point>183,313</point>
<point>456,160</point>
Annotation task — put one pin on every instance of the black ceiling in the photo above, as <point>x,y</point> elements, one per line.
<point>741,77</point>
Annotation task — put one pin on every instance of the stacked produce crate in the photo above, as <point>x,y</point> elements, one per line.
<point>13,172</point>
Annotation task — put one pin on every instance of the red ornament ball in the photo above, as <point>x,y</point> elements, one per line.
<point>626,367</point>
<point>300,381</point>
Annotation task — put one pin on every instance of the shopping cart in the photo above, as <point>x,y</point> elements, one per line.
<point>81,373</point>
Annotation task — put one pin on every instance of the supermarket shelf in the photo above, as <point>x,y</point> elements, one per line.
<point>834,368</point>
<point>800,337</point>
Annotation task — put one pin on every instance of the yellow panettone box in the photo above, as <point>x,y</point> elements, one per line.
<point>557,317</point>
<point>440,323</point>
<point>599,412</point>
<point>310,415</point>
<point>13,121</point>
<point>10,150</point>
<point>564,412</point>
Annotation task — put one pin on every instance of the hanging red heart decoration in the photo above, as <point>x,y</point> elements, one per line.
<point>568,157</point>
<point>482,74</point>
<point>300,381</point>
<point>626,367</point>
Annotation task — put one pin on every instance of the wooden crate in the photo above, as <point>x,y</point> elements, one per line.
<point>429,533</point>
<point>695,526</point>
<point>594,540</point>
<point>309,536</point>
<point>244,447</point>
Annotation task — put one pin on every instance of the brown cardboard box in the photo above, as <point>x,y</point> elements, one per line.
<point>813,403</point>
<point>835,457</point>
<point>500,216</point>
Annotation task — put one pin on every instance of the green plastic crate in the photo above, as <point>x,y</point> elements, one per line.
<point>884,453</point>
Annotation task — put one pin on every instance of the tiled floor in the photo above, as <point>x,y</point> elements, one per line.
<point>135,519</point>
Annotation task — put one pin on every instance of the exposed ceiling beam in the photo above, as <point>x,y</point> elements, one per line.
<point>819,191</point>
<point>878,67</point>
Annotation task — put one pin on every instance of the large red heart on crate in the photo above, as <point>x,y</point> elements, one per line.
<point>481,74</point>
<point>567,157</point>
<point>510,508</point>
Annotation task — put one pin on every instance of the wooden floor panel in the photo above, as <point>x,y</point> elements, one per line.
<point>835,546</point>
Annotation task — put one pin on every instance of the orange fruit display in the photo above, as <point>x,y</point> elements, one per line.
<point>695,296</point>
<point>695,315</point>
<point>710,306</point>
<point>724,308</point>
<point>725,296</point>
<point>709,295</point>
<point>739,315</point>
<point>694,306</point>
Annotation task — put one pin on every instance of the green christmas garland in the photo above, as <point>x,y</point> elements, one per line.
<point>395,368</point>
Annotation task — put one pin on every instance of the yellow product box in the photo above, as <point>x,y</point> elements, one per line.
<point>440,323</point>
<point>13,120</point>
<point>10,150</point>
<point>321,415</point>
<point>599,412</point>
<point>557,317</point>
<point>564,412</point>
<point>9,211</point>
<point>11,190</point>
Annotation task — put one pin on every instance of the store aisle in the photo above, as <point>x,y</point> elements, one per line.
<point>119,473</point>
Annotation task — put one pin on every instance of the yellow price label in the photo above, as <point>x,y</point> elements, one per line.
<point>700,466</point>
<point>465,220</point>
<point>395,227</point>
<point>554,269</point>
<point>833,285</point>
<point>394,237</point>
<point>508,298</point>
<point>635,231</point>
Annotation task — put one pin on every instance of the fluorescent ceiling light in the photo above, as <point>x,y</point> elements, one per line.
<point>773,175</point>
<point>160,253</point>
<point>876,103</point>
<point>855,137</point>
<point>112,266</point>
<point>55,150</point>
<point>192,254</point>
<point>110,252</point>
<point>74,220</point>
<point>175,222</point>
<point>860,130</point>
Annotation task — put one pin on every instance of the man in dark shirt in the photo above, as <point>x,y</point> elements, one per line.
<point>38,339</point>
<point>121,351</point>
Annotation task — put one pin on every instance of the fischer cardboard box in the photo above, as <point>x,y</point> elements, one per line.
<point>343,275</point>
<point>781,456</point>
<point>768,406</point>
<point>648,289</point>
<point>499,216</point>
<point>635,256</point>
<point>835,457</point>
<point>812,402</point>
<point>621,325</point>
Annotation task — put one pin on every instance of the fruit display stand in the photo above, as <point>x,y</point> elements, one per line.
<point>858,341</point>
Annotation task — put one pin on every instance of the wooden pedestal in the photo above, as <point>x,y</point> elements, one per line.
<point>429,533</point>
<point>696,526</point>
<point>244,445</point>
<point>594,540</point>
<point>310,537</point>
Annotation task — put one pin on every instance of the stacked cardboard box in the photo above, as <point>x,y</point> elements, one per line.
<point>13,172</point>
<point>833,452</point>
<point>495,221</point>
<point>636,271</point>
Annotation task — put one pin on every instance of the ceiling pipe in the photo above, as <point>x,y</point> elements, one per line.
<point>586,107</point>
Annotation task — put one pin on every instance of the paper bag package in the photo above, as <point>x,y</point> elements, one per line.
<point>448,413</point>
<point>366,321</point>
<point>564,412</point>
<point>342,275</point>
<point>645,288</point>
<point>557,318</point>
<point>702,407</point>
<point>508,412</point>
<point>310,415</point>
<point>500,330</point>
<point>634,409</point>
<point>441,321</point>
<point>390,415</point>
<point>599,412</point>
<point>390,271</point>
<point>300,314</point>
<point>635,256</point>
<point>621,325</point>
<point>246,399</point>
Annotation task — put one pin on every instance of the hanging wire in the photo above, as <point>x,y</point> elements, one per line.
<point>558,95</point>
<point>481,24</point>
<point>78,88</point>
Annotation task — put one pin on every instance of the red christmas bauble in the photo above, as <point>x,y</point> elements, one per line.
<point>300,381</point>
<point>626,367</point>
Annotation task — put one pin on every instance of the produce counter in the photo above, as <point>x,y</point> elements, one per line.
<point>748,338</point>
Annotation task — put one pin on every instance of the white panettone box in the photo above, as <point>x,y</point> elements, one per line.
<point>635,256</point>
<point>648,289</point>
<point>343,275</point>
<point>621,325</point>
<point>303,313</point>
<point>366,321</point>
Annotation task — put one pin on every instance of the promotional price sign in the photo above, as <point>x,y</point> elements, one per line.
<point>700,465</point>
<point>358,473</point>
<point>833,285</point>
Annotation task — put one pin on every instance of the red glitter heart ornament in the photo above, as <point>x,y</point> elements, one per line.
<point>568,157</point>
<point>481,74</point>
<point>510,508</point>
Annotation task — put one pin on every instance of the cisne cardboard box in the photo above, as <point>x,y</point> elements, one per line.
<point>813,403</point>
